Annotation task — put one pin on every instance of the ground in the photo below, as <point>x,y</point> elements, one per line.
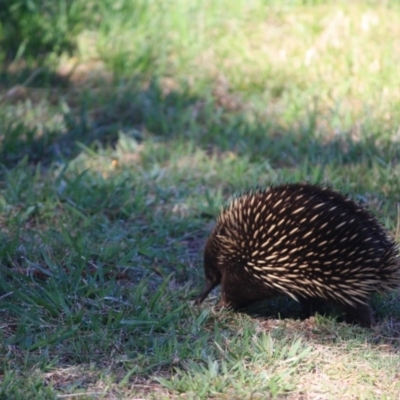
<point>125,126</point>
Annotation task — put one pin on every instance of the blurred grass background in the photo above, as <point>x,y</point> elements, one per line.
<point>124,126</point>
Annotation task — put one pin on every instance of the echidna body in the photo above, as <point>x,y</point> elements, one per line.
<point>308,242</point>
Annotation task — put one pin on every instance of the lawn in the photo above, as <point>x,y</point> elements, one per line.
<point>124,128</point>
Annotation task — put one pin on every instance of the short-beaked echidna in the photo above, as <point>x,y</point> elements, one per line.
<point>308,242</point>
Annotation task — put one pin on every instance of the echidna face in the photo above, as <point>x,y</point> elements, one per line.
<point>211,271</point>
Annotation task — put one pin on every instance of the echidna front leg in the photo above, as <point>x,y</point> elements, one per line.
<point>237,293</point>
<point>228,298</point>
<point>234,301</point>
<point>360,314</point>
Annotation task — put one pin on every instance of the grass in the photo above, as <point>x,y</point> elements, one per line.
<point>123,131</point>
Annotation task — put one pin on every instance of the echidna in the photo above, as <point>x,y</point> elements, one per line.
<point>308,242</point>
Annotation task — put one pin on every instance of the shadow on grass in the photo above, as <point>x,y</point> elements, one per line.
<point>95,116</point>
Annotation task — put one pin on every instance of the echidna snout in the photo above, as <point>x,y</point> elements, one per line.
<point>212,273</point>
<point>304,241</point>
